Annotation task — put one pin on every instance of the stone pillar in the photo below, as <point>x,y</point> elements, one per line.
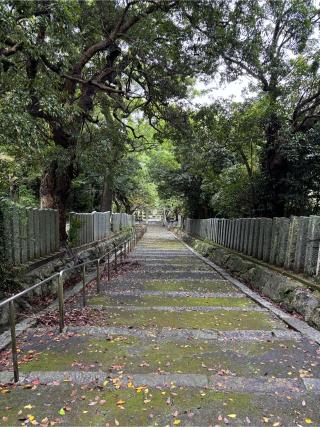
<point>274,240</point>
<point>222,232</point>
<point>246,235</point>
<point>15,226</point>
<point>311,265</point>
<point>23,234</point>
<point>234,234</point>
<point>267,239</point>
<point>214,231</point>
<point>242,234</point>
<point>37,230</point>
<point>56,230</point>
<point>108,223</point>
<point>82,218</point>
<point>96,227</point>
<point>256,235</point>
<point>261,238</point>
<point>251,235</point>
<point>227,232</point>
<point>237,236</point>
<point>7,234</point>
<point>47,214</point>
<point>283,240</point>
<point>292,243</point>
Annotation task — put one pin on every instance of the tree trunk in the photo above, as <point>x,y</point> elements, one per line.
<point>106,198</point>
<point>55,191</point>
<point>275,169</point>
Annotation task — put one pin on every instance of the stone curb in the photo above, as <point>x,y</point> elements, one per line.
<point>205,334</point>
<point>174,309</point>
<point>218,383</point>
<point>175,294</point>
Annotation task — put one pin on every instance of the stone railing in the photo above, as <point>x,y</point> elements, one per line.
<point>27,233</point>
<point>292,243</point>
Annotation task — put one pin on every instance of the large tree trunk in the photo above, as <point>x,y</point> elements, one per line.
<point>106,198</point>
<point>55,191</point>
<point>275,170</point>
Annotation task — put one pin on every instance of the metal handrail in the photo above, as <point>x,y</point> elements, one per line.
<point>125,246</point>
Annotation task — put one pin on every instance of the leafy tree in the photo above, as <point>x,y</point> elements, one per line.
<point>67,56</point>
<point>274,43</point>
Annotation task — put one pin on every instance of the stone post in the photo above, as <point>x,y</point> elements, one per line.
<point>251,234</point>
<point>256,236</point>
<point>23,235</point>
<point>15,227</point>
<point>283,240</point>
<point>242,234</point>
<point>312,249</point>
<point>292,243</point>
<point>7,234</point>
<point>261,238</point>
<point>47,214</point>
<point>267,239</point>
<point>237,235</point>
<point>274,240</point>
<point>245,235</point>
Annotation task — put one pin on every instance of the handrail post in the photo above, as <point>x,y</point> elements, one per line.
<point>12,318</point>
<point>84,285</point>
<point>121,254</point>
<point>115,260</point>
<point>98,276</point>
<point>108,266</point>
<point>61,304</point>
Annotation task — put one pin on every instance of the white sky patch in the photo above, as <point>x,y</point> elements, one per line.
<point>214,90</point>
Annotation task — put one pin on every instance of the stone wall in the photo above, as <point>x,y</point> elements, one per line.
<point>27,233</point>
<point>292,243</point>
<point>291,294</point>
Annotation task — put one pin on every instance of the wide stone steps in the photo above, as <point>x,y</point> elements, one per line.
<point>176,343</point>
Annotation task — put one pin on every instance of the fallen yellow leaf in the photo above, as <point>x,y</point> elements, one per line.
<point>232,416</point>
<point>308,421</point>
<point>28,406</point>
<point>176,422</point>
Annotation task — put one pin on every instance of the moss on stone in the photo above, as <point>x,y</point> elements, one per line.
<point>188,285</point>
<point>92,354</point>
<point>217,320</point>
<point>154,301</point>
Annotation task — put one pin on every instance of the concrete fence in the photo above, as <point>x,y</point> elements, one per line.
<point>292,243</point>
<point>28,233</point>
<point>94,226</point>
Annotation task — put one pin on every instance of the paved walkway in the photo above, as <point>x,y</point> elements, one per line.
<point>173,344</point>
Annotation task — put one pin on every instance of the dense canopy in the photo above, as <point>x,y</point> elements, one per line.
<point>98,113</point>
